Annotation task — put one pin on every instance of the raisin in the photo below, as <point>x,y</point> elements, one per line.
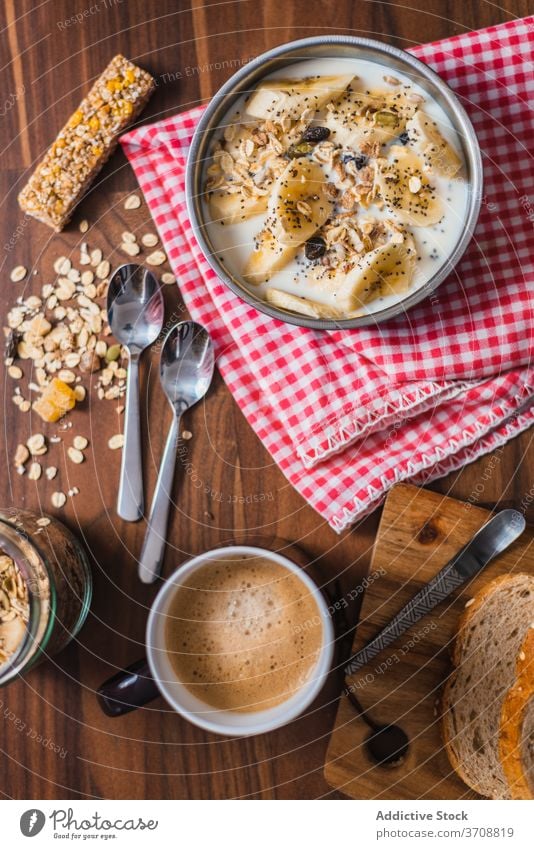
<point>404,138</point>
<point>316,134</point>
<point>315,247</point>
<point>359,159</point>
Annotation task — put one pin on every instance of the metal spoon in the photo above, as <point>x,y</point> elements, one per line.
<point>135,315</point>
<point>186,370</point>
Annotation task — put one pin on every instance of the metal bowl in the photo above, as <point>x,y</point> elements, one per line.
<point>331,46</point>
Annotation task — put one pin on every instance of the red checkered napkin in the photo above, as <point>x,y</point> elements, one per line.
<point>348,414</point>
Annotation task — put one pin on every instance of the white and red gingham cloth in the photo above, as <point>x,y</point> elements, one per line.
<point>348,414</point>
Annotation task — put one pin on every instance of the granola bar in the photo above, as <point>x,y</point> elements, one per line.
<point>85,143</point>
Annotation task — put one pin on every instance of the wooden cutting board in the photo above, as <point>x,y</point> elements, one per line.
<point>419,532</point>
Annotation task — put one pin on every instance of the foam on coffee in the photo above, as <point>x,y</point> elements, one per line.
<point>243,634</point>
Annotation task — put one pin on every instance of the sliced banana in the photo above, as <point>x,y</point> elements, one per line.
<point>268,257</point>
<point>386,270</point>
<point>406,189</point>
<point>368,117</point>
<point>438,155</point>
<point>289,98</point>
<point>299,204</point>
<point>304,306</point>
<point>236,207</point>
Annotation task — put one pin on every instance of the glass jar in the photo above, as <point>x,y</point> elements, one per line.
<point>45,590</point>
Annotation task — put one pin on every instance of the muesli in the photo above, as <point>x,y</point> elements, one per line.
<point>326,192</point>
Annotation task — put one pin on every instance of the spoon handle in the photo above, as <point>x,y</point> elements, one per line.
<point>156,534</point>
<point>130,502</point>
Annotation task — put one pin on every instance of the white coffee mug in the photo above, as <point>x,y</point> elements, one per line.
<point>140,683</point>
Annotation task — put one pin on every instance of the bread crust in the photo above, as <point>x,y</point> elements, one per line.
<point>447,733</point>
<point>512,721</point>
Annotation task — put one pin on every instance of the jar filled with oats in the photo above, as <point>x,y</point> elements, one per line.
<point>45,590</point>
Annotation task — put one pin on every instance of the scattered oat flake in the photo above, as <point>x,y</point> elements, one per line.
<point>21,455</point>
<point>129,237</point>
<point>15,372</point>
<point>84,226</point>
<point>130,248</point>
<point>35,443</point>
<point>58,499</point>
<point>62,265</point>
<point>156,258</point>
<point>96,257</point>
<point>103,268</point>
<point>116,441</point>
<point>80,442</point>
<point>186,434</point>
<point>75,455</point>
<point>34,472</point>
<point>149,240</point>
<point>51,472</point>
<point>132,202</point>
<point>168,278</point>
<point>43,522</point>
<point>18,273</point>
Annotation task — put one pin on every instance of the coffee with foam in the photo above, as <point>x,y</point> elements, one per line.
<point>243,634</point>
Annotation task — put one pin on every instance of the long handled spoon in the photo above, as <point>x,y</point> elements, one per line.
<point>135,314</point>
<point>186,371</point>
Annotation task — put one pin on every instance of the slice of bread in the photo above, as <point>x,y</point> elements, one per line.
<point>517,725</point>
<point>491,636</point>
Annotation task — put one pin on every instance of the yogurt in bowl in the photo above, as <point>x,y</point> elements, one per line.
<point>335,190</point>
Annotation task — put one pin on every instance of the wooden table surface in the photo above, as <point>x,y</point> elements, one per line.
<point>48,59</point>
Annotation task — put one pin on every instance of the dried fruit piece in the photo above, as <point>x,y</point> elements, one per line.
<point>316,134</point>
<point>315,247</point>
<point>113,353</point>
<point>56,400</point>
<point>298,150</point>
<point>360,160</point>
